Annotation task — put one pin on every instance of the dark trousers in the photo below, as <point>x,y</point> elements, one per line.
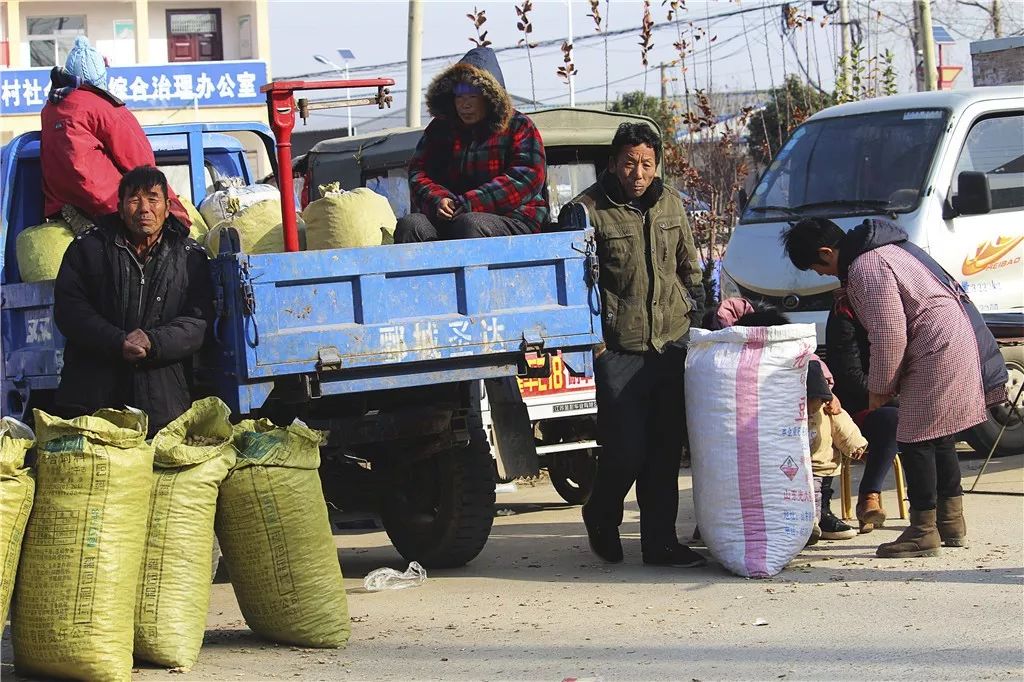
<point>641,428</point>
<point>417,227</point>
<point>932,469</point>
<point>879,428</point>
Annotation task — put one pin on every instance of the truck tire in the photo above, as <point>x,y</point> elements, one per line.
<point>572,474</point>
<point>983,436</point>
<point>439,510</point>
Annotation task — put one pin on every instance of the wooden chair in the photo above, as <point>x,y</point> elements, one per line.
<point>849,512</point>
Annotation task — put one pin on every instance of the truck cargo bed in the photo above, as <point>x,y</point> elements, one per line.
<point>346,320</point>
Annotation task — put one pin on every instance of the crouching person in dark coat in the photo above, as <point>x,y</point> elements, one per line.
<point>134,298</point>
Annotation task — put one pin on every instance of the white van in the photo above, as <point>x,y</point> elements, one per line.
<point>947,166</point>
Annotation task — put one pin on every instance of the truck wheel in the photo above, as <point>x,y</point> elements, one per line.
<point>982,436</point>
<point>439,510</point>
<point>572,474</point>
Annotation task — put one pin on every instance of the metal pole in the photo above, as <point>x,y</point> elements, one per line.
<point>664,83</point>
<point>1013,410</point>
<point>348,110</point>
<point>915,39</point>
<point>844,32</point>
<point>414,67</point>
<point>928,45</point>
<point>572,80</point>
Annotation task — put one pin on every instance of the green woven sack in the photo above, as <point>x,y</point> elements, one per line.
<point>344,220</point>
<point>199,227</point>
<point>40,250</point>
<point>74,600</point>
<point>17,487</point>
<point>273,529</point>
<point>193,455</point>
<point>259,229</point>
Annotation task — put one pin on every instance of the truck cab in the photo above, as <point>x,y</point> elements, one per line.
<point>948,167</point>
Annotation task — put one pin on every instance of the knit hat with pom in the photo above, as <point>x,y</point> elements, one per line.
<point>86,63</point>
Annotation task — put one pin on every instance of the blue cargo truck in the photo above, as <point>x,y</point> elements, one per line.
<point>381,347</point>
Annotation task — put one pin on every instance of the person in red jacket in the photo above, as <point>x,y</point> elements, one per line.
<point>89,141</point>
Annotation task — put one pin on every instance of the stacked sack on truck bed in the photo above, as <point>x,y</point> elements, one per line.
<point>199,228</point>
<point>253,210</point>
<point>40,249</point>
<point>117,545</point>
<point>348,219</point>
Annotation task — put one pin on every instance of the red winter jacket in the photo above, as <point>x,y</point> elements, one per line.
<point>90,140</point>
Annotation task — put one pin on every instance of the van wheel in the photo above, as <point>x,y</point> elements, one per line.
<point>439,510</point>
<point>984,435</point>
<point>572,474</point>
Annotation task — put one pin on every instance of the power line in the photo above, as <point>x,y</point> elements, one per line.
<point>587,37</point>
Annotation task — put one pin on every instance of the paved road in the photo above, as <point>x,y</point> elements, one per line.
<point>537,605</point>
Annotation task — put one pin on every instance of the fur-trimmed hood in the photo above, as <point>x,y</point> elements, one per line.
<point>479,67</point>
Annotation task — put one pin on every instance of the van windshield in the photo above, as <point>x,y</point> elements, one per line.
<point>852,165</point>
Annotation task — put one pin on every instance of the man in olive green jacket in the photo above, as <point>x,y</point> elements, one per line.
<point>650,282</point>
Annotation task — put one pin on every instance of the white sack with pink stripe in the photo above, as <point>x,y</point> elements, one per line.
<point>746,410</point>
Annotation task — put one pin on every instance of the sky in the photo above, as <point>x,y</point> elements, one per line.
<point>749,52</point>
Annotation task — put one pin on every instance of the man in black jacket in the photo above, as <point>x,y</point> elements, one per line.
<point>134,298</point>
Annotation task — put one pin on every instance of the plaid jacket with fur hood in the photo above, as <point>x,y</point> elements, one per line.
<point>494,167</point>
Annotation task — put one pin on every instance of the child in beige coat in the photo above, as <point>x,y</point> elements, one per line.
<point>833,435</point>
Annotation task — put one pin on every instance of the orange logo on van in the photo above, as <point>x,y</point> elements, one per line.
<point>989,253</point>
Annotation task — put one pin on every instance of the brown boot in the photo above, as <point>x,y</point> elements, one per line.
<point>920,539</point>
<point>950,521</point>
<point>869,512</point>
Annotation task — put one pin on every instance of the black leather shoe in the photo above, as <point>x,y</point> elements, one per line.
<point>604,542</point>
<point>674,555</point>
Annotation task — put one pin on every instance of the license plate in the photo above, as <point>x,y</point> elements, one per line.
<point>560,380</point>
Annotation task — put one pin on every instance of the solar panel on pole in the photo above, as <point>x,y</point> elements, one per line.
<point>941,35</point>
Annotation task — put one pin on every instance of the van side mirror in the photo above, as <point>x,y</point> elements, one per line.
<point>973,196</point>
<point>742,199</point>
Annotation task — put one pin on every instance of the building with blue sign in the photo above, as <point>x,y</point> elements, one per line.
<point>168,63</point>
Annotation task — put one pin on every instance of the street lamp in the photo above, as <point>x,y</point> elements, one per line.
<point>345,55</point>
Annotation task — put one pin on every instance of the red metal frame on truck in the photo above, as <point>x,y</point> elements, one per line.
<point>281,110</point>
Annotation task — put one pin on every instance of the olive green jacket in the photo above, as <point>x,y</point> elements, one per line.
<point>650,276</point>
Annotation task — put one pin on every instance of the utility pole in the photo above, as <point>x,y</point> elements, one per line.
<point>664,83</point>
<point>915,39</point>
<point>572,79</point>
<point>997,23</point>
<point>927,45</point>
<point>844,32</point>
<point>414,65</point>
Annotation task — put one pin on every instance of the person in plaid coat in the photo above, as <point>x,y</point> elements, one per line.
<point>926,347</point>
<point>479,169</point>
